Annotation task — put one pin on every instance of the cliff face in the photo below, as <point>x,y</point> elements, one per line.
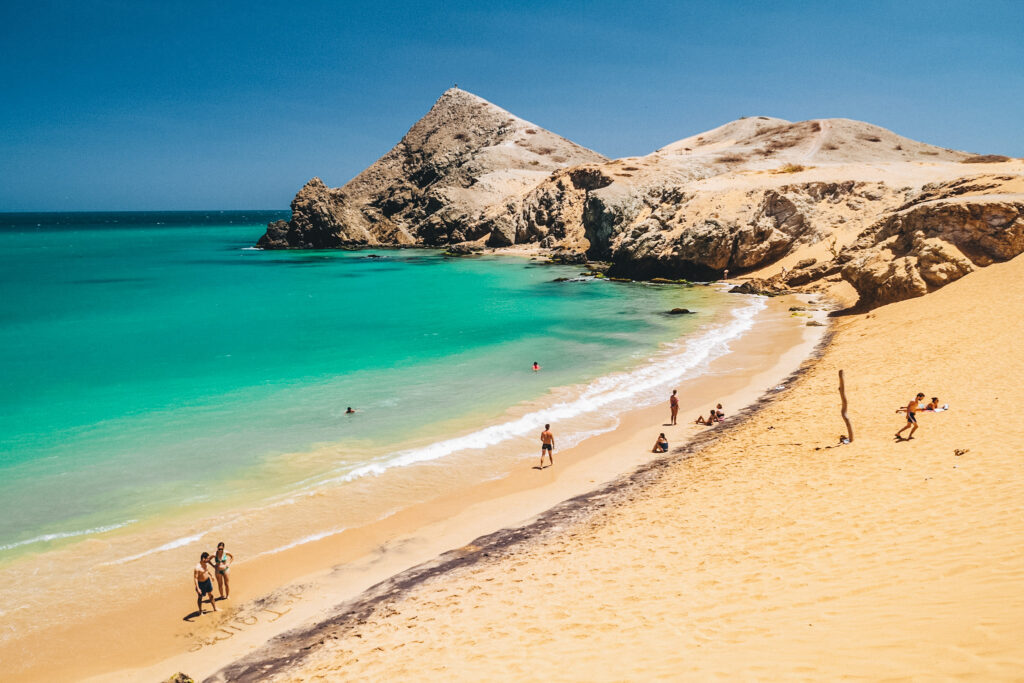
<point>898,217</point>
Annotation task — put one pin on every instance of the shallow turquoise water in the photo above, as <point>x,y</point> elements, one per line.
<point>152,360</point>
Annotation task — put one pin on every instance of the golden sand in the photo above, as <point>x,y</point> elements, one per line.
<point>768,554</point>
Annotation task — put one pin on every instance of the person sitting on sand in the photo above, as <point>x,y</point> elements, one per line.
<point>661,445</point>
<point>203,581</point>
<point>910,410</point>
<point>547,443</point>
<point>222,560</point>
<point>711,419</point>
<point>719,413</point>
<point>933,405</point>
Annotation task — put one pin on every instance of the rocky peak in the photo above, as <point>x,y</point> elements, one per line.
<point>434,187</point>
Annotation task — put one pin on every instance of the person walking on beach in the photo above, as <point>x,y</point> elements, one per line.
<point>547,443</point>
<point>673,404</point>
<point>204,583</point>
<point>910,410</point>
<point>222,560</point>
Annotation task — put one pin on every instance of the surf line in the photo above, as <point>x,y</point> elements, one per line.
<point>665,368</point>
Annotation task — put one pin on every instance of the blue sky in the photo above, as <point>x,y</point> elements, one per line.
<point>173,105</point>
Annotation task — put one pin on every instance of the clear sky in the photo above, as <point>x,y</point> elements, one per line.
<point>137,104</point>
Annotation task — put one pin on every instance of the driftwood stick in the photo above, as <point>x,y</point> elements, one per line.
<point>842,395</point>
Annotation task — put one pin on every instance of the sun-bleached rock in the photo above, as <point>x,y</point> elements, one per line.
<point>933,243</point>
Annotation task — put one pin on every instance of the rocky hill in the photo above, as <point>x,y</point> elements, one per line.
<point>465,156</point>
<point>795,204</point>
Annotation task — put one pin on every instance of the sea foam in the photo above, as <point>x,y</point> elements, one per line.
<point>65,534</point>
<point>634,388</point>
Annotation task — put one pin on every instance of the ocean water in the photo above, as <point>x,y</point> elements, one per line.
<point>156,363</point>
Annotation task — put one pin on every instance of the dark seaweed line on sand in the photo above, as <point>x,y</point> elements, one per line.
<point>287,650</point>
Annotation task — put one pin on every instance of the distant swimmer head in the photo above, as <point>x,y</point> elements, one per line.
<point>349,411</point>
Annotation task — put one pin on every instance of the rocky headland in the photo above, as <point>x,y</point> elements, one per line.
<point>816,205</point>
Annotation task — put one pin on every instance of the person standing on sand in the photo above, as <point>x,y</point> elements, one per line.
<point>204,583</point>
<point>673,405</point>
<point>911,408</point>
<point>222,560</point>
<point>547,443</point>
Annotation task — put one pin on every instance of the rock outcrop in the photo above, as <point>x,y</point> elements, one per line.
<point>933,243</point>
<point>752,193</point>
<point>434,187</point>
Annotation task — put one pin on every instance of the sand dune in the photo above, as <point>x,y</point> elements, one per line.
<point>769,554</point>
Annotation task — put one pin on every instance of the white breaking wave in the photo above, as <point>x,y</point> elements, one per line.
<point>176,543</point>
<point>66,534</point>
<point>634,387</point>
<point>302,541</point>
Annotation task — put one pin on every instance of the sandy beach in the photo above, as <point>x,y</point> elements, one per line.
<point>767,553</point>
<point>142,636</point>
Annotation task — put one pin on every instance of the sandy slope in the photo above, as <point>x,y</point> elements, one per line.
<point>763,556</point>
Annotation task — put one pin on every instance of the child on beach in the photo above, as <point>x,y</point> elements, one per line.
<point>910,410</point>
<point>661,445</point>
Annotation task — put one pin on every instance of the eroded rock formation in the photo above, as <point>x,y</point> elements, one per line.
<point>899,217</point>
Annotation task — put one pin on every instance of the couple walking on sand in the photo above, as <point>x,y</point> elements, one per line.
<point>218,565</point>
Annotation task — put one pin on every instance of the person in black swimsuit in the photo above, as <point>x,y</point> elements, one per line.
<point>547,445</point>
<point>911,408</point>
<point>201,575</point>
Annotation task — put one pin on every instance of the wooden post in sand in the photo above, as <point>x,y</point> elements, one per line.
<point>842,395</point>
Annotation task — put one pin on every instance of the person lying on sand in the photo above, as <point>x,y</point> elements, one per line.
<point>661,445</point>
<point>204,582</point>
<point>910,410</point>
<point>933,405</point>
<point>711,419</point>
<point>547,443</point>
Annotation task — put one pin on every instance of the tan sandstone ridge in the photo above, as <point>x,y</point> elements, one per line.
<point>792,205</point>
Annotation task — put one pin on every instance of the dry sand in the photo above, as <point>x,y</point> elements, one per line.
<point>766,554</point>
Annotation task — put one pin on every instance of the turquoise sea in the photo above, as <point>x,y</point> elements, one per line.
<point>153,361</point>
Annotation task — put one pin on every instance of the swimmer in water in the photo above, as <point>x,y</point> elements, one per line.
<point>536,367</point>
<point>349,411</point>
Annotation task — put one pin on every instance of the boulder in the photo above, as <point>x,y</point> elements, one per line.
<point>680,311</point>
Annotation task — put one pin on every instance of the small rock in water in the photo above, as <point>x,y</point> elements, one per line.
<point>680,311</point>
<point>814,323</point>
